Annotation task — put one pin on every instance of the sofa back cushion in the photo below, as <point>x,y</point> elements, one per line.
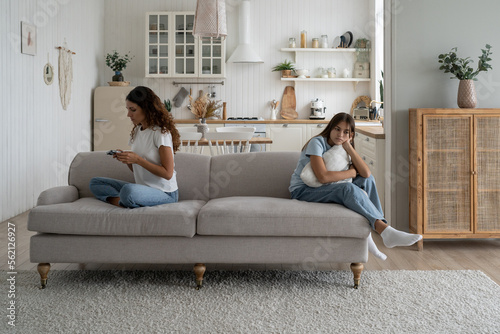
<point>252,174</point>
<point>87,165</point>
<point>192,171</point>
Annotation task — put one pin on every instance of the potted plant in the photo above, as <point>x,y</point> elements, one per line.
<point>461,70</point>
<point>168,105</point>
<point>286,67</point>
<point>362,43</point>
<point>118,63</point>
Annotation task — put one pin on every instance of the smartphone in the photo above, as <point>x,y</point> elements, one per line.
<point>112,152</point>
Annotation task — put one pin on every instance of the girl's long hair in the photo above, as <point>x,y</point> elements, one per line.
<point>340,117</point>
<point>155,112</point>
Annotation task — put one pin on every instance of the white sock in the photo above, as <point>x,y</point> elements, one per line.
<point>372,248</point>
<point>393,237</point>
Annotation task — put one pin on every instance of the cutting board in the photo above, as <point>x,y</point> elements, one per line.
<point>288,104</point>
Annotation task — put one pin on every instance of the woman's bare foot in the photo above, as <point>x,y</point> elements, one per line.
<point>114,200</point>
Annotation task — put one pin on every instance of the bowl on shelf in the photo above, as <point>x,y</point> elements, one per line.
<point>301,72</point>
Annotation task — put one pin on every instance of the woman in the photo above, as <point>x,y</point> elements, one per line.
<point>340,131</point>
<point>154,140</point>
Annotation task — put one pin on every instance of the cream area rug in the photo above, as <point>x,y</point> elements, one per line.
<point>255,302</point>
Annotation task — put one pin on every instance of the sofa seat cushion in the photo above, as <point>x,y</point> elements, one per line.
<point>267,216</point>
<point>89,216</point>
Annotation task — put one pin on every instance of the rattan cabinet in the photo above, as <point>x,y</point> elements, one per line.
<point>454,173</point>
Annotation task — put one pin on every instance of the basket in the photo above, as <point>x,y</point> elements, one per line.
<point>119,83</point>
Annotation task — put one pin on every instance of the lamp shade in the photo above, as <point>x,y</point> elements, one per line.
<point>210,19</point>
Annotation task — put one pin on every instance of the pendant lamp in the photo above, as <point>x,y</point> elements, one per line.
<point>210,19</point>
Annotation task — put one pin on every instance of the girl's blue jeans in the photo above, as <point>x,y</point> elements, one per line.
<point>131,195</point>
<point>351,195</point>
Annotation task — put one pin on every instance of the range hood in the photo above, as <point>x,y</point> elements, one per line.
<point>244,52</point>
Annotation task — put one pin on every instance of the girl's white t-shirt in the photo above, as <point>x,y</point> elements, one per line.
<point>146,144</point>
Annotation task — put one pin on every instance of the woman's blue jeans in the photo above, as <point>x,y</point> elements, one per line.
<point>351,195</point>
<point>131,195</point>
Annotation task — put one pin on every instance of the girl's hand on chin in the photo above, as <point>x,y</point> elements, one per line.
<point>347,145</point>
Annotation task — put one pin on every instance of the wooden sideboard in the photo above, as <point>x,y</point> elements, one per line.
<point>454,173</point>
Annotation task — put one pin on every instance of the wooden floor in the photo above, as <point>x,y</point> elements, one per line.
<point>473,254</point>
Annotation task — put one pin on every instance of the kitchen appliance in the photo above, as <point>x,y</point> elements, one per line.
<point>362,113</point>
<point>317,109</point>
<point>260,131</point>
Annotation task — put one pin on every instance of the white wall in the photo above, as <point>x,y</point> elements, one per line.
<point>39,139</point>
<point>421,31</point>
<point>248,87</point>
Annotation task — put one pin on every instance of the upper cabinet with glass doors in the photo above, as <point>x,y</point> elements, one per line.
<point>172,51</point>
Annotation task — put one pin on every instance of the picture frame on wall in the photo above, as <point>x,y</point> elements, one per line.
<point>28,38</point>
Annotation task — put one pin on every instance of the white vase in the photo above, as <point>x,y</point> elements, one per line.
<point>202,127</point>
<point>273,114</point>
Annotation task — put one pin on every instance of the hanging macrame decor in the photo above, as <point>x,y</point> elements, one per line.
<point>65,74</point>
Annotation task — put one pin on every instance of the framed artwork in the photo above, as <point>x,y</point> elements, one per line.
<point>28,38</point>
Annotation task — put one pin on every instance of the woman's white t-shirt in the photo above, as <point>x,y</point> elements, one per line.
<point>146,144</point>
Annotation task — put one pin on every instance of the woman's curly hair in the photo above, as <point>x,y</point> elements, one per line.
<point>155,112</point>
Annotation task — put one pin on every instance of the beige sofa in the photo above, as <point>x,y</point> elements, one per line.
<point>232,209</point>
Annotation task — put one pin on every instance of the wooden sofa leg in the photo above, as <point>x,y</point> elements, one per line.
<point>199,271</point>
<point>357,268</point>
<point>43,270</point>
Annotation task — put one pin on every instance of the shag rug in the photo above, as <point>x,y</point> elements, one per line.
<point>255,302</point>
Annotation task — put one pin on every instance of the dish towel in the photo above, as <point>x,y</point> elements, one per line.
<point>179,98</point>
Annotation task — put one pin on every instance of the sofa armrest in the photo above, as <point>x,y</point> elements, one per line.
<point>63,194</point>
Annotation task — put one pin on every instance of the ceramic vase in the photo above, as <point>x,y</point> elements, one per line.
<point>466,97</point>
<point>202,127</point>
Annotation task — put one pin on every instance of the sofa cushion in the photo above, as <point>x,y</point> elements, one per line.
<point>252,174</point>
<point>89,216</point>
<point>192,172</point>
<point>266,216</point>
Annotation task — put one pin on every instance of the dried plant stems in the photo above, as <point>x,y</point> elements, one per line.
<point>203,107</point>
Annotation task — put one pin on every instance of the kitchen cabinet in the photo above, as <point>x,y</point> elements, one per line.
<point>173,52</point>
<point>314,130</point>
<point>339,58</point>
<point>286,137</point>
<point>372,151</point>
<point>454,173</point>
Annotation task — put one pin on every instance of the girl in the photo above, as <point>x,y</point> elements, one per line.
<point>154,140</point>
<point>340,131</point>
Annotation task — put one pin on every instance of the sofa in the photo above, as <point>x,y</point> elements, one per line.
<point>232,209</point>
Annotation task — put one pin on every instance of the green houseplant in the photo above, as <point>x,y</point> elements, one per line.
<point>286,67</point>
<point>118,63</point>
<point>463,71</point>
<point>168,105</point>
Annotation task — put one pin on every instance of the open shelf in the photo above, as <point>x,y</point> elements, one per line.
<point>354,81</point>
<point>325,79</point>
<point>322,50</point>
